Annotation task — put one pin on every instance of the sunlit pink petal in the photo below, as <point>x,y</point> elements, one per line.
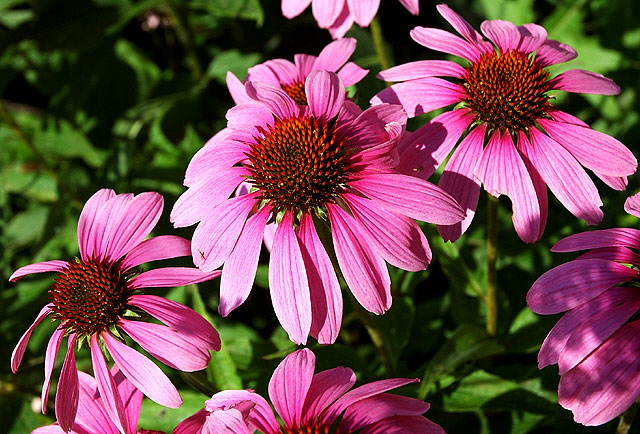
<point>290,383</point>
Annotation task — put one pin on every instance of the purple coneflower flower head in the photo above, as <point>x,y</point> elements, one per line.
<point>93,416</point>
<point>339,15</point>
<point>291,76</point>
<point>99,297</point>
<point>313,403</point>
<point>596,344</point>
<point>311,167</point>
<point>514,142</point>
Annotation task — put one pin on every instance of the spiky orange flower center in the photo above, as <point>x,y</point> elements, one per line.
<point>296,91</point>
<point>507,91</point>
<point>88,296</point>
<point>298,163</point>
<point>313,428</point>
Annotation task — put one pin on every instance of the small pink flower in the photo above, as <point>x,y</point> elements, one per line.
<point>100,295</point>
<point>313,403</point>
<point>596,344</point>
<point>514,141</point>
<point>339,15</point>
<point>325,168</point>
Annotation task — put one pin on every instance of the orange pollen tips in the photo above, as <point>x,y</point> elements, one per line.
<point>312,429</point>
<point>296,91</point>
<point>88,297</point>
<point>507,91</point>
<point>298,164</point>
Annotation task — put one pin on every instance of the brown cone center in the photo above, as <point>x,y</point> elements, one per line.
<point>296,91</point>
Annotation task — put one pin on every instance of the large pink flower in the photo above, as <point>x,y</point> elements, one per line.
<point>596,344</point>
<point>339,15</point>
<point>99,297</point>
<point>313,403</point>
<point>325,165</point>
<point>514,141</point>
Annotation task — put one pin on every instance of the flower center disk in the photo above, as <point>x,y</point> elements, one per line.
<point>296,91</point>
<point>312,429</point>
<point>88,297</point>
<point>507,91</point>
<point>298,163</point>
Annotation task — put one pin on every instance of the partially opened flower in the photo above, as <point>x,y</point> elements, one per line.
<point>291,76</point>
<point>99,297</point>
<point>339,15</point>
<point>313,403</point>
<point>596,344</point>
<point>309,166</point>
<point>509,137</point>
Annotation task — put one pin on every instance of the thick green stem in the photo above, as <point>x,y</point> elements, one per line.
<point>627,417</point>
<point>492,257</point>
<point>378,43</point>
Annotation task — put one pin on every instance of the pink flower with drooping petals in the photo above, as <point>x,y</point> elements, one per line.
<point>514,142</point>
<point>596,344</point>
<point>325,165</point>
<point>339,15</point>
<point>93,416</point>
<point>291,77</point>
<point>313,403</point>
<point>99,296</point>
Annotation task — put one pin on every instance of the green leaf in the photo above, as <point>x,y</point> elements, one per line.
<point>60,139</point>
<point>156,417</point>
<point>517,11</point>
<point>28,181</point>
<point>243,9</point>
<point>395,326</point>
<point>234,61</point>
<point>26,227</point>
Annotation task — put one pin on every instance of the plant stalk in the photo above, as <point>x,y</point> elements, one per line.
<point>492,257</point>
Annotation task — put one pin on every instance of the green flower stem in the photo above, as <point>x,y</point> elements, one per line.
<point>627,418</point>
<point>492,257</point>
<point>378,43</point>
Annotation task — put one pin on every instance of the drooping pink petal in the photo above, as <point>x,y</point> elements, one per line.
<point>580,81</point>
<point>236,88</point>
<point>240,268</point>
<point>39,267</point>
<point>632,205</point>
<point>351,74</point>
<point>87,221</point>
<point>540,189</point>
<point>404,425</point>
<point>617,237</point>
<point>290,383</point>
<point>288,282</point>
<point>143,373</point>
<point>131,397</point>
<point>363,11</point>
<point>324,289</point>
<point>293,8</point>
<point>49,360</point>
<point>554,52</point>
<point>21,346</point>
<point>67,391</point>
<point>326,11</point>
<point>335,55</point>
<point>92,414</point>
<point>375,408</point>
<point>261,415</point>
<point>326,387</point>
<point>446,42</point>
<point>502,33</point>
<point>193,424</point>
<point>422,95</point>
<point>168,277</point>
<point>422,68</point>
<point>370,129</point>
<point>325,94</point>
<point>363,269</point>
<point>573,283</point>
<point>156,249</point>
<point>616,182</point>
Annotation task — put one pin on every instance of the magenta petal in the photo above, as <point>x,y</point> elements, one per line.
<point>67,392</point>
<point>461,26</point>
<point>553,52</point>
<point>422,95</point>
<point>404,425</point>
<point>92,414</point>
<point>363,11</point>
<point>326,12</point>
<point>371,410</point>
<point>39,267</point>
<point>156,249</point>
<point>632,205</point>
<point>87,221</point>
<point>618,237</point>
<point>49,360</point>
<point>290,383</point>
<point>325,388</point>
<point>228,422</point>
<point>325,94</point>
<point>276,99</point>
<point>573,283</point>
<point>131,396</point>
<point>580,81</point>
<point>193,424</point>
<point>293,8</point>
<point>502,33</point>
<point>21,346</point>
<point>446,42</point>
<point>168,277</point>
<point>334,55</point>
<point>351,73</point>
<point>143,373</point>
<point>288,282</point>
<point>615,254</point>
<point>421,69</point>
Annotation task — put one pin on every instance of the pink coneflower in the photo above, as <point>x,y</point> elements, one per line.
<point>98,297</point>
<point>313,403</point>
<point>514,141</point>
<point>291,76</point>
<point>339,15</point>
<point>93,416</point>
<point>596,344</point>
<point>309,166</point>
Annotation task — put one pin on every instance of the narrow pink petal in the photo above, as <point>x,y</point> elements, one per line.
<point>622,255</point>
<point>421,69</point>
<point>572,186</point>
<point>404,425</point>
<point>293,8</point>
<point>532,37</point>
<point>554,52</point>
<point>87,221</point>
<point>372,410</point>
<point>92,414</point>
<point>325,94</point>
<point>363,11</point>
<point>422,95</point>
<point>461,25</point>
<point>573,283</point>
<point>303,65</point>
<point>214,238</point>
<point>580,81</point>
<point>239,270</point>
<point>502,33</point>
<point>412,6</point>
<point>351,73</point>
<point>607,382</point>
<point>193,424</point>
<point>156,249</point>
<point>324,289</point>
<point>342,24</point>
<point>459,181</point>
<point>261,415</point>
<point>290,383</point>
<point>288,282</point>
<point>168,277</point>
<point>49,429</point>
<point>236,89</point>
<point>326,387</point>
<point>335,54</point>
<point>170,347</point>
<point>274,98</point>
<point>445,42</point>
<point>39,267</point>
<point>632,205</point>
<point>131,397</point>
<point>49,361</point>
<point>620,237</point>
<point>410,196</point>
<point>364,270</point>
<point>179,317</point>
<point>67,391</point>
<point>326,11</point>
<point>399,239</point>
<point>143,373</point>
<point>21,346</point>
<point>594,150</point>
<point>540,188</point>
<point>616,182</point>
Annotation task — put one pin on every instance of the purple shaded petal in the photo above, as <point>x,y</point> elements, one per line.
<point>168,277</point>
<point>615,254</point>
<point>445,42</point>
<point>39,267</point>
<point>239,270</point>
<point>632,205</point>
<point>363,269</point>
<point>21,346</point>
<point>404,425</point>
<point>193,424</point>
<point>88,221</point>
<point>371,410</point>
<point>276,99</point>
<point>49,360</point>
<point>422,95</point>
<point>293,8</point>
<point>67,392</point>
<point>363,11</point>
<point>616,182</point>
<point>580,81</point>
<point>342,24</point>
<point>290,383</point>
<point>351,73</point>
<point>261,415</point>
<point>532,37</point>
<point>326,11</point>
<point>502,33</point>
<point>618,237</point>
<point>326,387</point>
<point>553,52</point>
<point>421,69</point>
<point>410,196</point>
<point>288,282</point>
<point>325,94</point>
<point>569,285</point>
<point>131,396</point>
<point>156,249</point>
<point>143,373</point>
<point>335,54</point>
<point>91,411</point>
